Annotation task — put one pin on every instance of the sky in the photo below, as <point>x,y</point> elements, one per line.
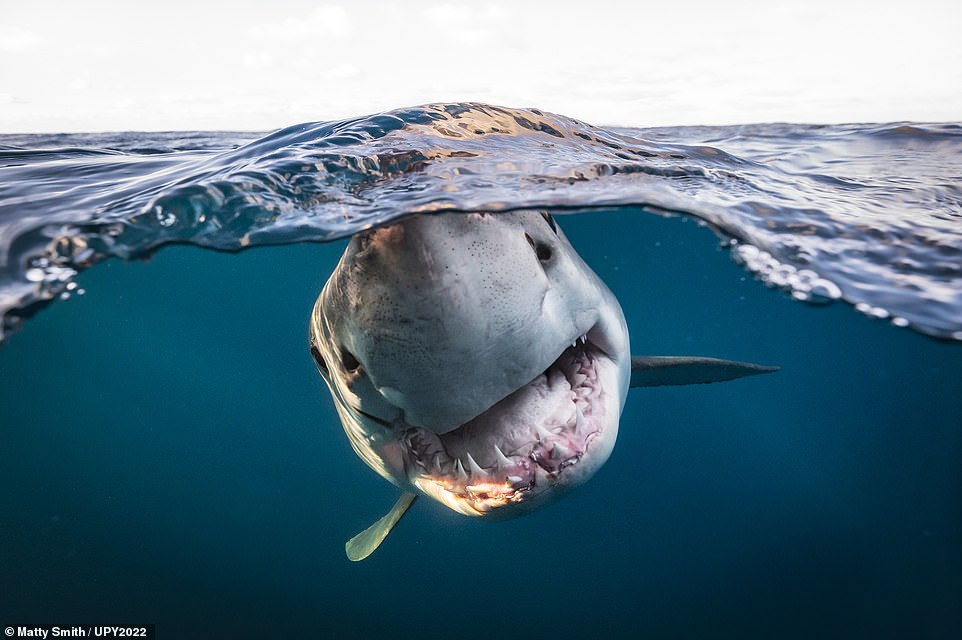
<point>99,65</point>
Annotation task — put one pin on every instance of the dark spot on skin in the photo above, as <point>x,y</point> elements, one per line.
<point>542,250</point>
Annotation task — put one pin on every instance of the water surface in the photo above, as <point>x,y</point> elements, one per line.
<point>871,214</point>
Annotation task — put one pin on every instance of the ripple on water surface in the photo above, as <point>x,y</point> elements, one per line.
<point>871,214</point>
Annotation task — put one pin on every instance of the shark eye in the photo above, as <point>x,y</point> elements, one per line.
<point>542,250</point>
<point>550,220</point>
<point>348,360</point>
<point>318,358</point>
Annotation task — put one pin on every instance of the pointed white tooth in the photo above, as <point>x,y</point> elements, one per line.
<point>560,451</point>
<point>459,470</point>
<point>543,434</point>
<point>473,467</point>
<point>580,422</point>
<point>584,339</point>
<point>574,343</point>
<point>437,462</point>
<point>503,462</point>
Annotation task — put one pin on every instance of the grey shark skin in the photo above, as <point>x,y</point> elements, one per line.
<point>477,360</point>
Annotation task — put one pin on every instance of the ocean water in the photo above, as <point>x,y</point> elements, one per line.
<point>171,456</point>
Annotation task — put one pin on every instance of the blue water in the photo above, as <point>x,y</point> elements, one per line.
<point>171,456</point>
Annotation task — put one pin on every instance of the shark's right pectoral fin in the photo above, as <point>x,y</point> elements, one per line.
<point>363,544</point>
<point>654,371</point>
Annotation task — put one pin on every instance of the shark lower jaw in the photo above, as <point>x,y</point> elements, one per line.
<point>530,447</point>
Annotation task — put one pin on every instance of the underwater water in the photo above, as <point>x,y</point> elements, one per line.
<point>171,456</point>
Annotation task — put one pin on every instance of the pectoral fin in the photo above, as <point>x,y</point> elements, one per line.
<point>654,371</point>
<point>363,544</point>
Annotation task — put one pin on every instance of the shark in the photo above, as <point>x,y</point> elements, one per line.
<point>476,359</point>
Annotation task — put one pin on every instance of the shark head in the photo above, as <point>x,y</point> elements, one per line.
<point>474,359</point>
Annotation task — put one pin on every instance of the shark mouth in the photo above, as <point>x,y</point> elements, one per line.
<point>532,440</point>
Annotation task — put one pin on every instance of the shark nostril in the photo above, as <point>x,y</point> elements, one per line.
<point>348,360</point>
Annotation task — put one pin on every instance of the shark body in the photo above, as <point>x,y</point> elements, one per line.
<point>477,360</point>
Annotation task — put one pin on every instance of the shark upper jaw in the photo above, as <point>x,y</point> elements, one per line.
<point>528,448</point>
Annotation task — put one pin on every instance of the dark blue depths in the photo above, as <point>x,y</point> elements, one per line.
<point>170,456</point>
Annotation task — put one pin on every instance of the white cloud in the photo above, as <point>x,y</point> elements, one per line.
<point>15,39</point>
<point>79,83</point>
<point>467,23</point>
<point>326,21</point>
<point>340,72</point>
<point>257,60</point>
<point>456,14</point>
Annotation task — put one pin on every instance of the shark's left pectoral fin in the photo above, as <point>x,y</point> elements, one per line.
<point>363,544</point>
<point>654,371</point>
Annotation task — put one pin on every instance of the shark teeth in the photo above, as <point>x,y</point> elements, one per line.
<point>521,455</point>
<point>581,423</point>
<point>543,434</point>
<point>501,460</point>
<point>560,451</point>
<point>473,467</point>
